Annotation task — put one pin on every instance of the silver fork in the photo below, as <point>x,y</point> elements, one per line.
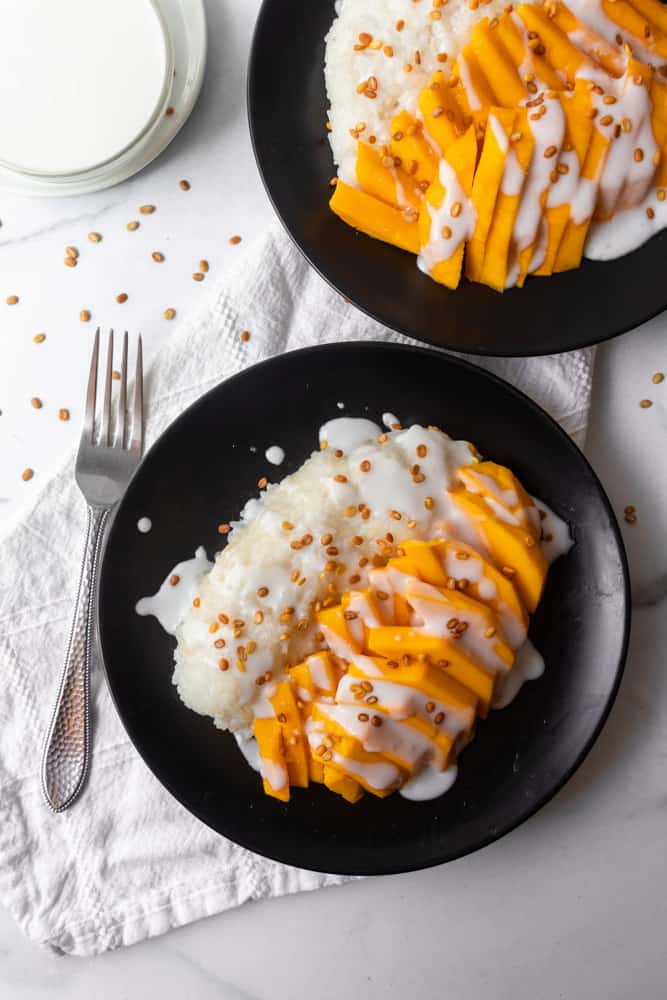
<point>104,464</point>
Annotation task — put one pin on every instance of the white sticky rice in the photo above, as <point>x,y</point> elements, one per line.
<point>346,68</point>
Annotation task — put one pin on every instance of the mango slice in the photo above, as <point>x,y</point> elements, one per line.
<point>294,744</point>
<point>375,218</point>
<point>390,184</point>
<point>415,154</point>
<point>275,778</point>
<point>442,207</point>
<point>486,184</point>
<point>498,249</point>
<point>339,783</point>
<point>512,548</point>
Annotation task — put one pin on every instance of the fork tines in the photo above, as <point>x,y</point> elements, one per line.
<point>109,435</point>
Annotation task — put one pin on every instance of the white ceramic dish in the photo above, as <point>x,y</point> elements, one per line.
<point>90,89</point>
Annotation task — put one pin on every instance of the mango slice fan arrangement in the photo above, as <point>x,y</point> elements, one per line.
<point>413,659</point>
<point>544,125</point>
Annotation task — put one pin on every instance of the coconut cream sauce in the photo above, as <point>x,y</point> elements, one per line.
<point>385,478</point>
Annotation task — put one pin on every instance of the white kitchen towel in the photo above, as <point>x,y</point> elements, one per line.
<point>127,861</point>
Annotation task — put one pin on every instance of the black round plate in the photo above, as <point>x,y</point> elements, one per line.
<point>201,471</point>
<point>288,110</point>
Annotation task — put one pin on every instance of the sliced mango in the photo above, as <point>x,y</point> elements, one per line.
<point>294,744</point>
<point>389,183</point>
<point>275,779</point>
<point>441,209</point>
<point>375,218</point>
<point>416,155</point>
<point>513,550</point>
<point>339,783</point>
<point>486,184</point>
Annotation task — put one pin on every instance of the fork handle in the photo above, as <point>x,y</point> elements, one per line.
<point>67,749</point>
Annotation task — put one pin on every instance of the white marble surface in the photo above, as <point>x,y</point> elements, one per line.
<point>573,904</point>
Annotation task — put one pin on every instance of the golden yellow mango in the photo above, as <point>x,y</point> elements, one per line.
<point>461,157</point>
<point>561,53</point>
<point>334,619</point>
<point>441,115</point>
<point>597,48</point>
<point>515,42</point>
<point>497,481</point>
<point>420,560</point>
<point>371,216</point>
<point>571,247</point>
<point>423,675</point>
<point>413,151</point>
<point>395,641</point>
<point>294,743</point>
<point>513,550</point>
<point>633,22</point>
<point>390,184</point>
<point>495,269</point>
<point>473,92</point>
<point>506,597</point>
<point>269,738</point>
<point>339,783</point>
<point>486,185</point>
<point>500,71</point>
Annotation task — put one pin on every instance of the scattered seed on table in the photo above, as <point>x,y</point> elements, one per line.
<point>63,414</point>
<point>658,378</point>
<point>169,112</point>
<point>132,226</point>
<point>157,256</point>
<point>630,518</point>
<point>630,509</point>
<point>95,237</point>
<point>115,375</point>
<point>184,185</point>
<point>84,316</point>
<point>12,300</point>
<point>197,276</point>
<point>203,266</point>
<point>39,338</point>
<point>27,475</point>
<point>147,209</point>
<point>169,313</point>
<point>235,240</point>
<point>245,336</point>
<point>71,252</point>
<point>70,262</point>
<point>645,403</point>
<point>36,403</point>
<point>122,297</point>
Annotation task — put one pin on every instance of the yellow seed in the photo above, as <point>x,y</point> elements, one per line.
<point>63,414</point>
<point>27,474</point>
<point>39,338</point>
<point>184,185</point>
<point>203,266</point>
<point>133,225</point>
<point>147,209</point>
<point>95,237</point>
<point>157,256</point>
<point>36,403</point>
<point>84,316</point>
<point>198,276</point>
<point>169,313</point>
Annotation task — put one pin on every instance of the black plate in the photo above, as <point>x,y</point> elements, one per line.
<point>288,110</point>
<point>201,471</point>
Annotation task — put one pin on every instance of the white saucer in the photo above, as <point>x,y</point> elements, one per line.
<point>96,90</point>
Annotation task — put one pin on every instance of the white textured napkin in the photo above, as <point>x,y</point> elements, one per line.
<point>118,868</point>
